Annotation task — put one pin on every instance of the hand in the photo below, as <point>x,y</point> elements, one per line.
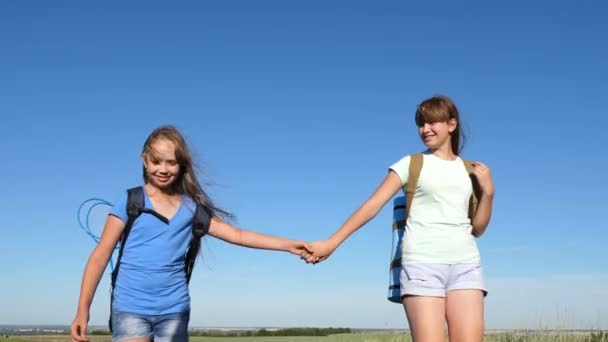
<point>298,247</point>
<point>79,329</point>
<point>321,250</point>
<point>484,178</point>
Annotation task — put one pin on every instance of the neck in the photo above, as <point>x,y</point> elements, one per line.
<point>444,152</point>
<point>153,190</point>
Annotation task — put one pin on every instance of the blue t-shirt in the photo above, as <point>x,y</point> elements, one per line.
<point>151,279</point>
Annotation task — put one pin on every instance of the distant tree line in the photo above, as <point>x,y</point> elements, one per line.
<point>278,332</point>
<point>258,333</point>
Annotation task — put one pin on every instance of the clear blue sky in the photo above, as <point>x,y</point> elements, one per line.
<point>295,110</point>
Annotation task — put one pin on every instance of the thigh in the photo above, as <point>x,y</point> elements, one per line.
<point>426,318</point>
<point>468,276</point>
<point>128,327</point>
<point>464,311</point>
<point>172,327</point>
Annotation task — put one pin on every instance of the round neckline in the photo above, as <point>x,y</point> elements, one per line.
<point>441,159</point>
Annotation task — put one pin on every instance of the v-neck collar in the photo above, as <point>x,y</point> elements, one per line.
<point>169,219</point>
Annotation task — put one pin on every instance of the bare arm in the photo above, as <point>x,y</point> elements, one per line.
<point>367,211</point>
<point>483,212</point>
<point>92,274</point>
<point>247,238</point>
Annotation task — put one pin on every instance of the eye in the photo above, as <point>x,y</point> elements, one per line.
<point>421,124</point>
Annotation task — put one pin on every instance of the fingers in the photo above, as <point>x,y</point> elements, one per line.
<point>308,256</point>
<point>312,259</point>
<point>79,332</point>
<point>315,252</point>
<point>484,177</point>
<point>479,166</point>
<point>74,331</point>
<point>480,169</point>
<point>83,333</point>
<point>308,248</point>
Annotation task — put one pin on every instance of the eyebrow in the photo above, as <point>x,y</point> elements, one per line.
<point>153,157</point>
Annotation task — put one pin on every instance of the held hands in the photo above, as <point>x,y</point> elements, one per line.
<point>298,247</point>
<point>484,178</point>
<point>320,251</point>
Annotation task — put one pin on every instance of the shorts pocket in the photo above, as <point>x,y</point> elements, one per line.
<point>416,273</point>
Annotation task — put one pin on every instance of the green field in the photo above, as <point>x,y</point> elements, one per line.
<point>540,337</point>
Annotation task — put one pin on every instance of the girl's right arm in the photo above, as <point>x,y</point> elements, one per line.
<point>97,263</point>
<point>370,208</point>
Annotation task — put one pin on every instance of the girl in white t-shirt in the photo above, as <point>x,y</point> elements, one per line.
<point>441,277</point>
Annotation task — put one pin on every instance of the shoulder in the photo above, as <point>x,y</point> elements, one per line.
<point>119,208</point>
<point>121,198</point>
<point>402,166</point>
<point>189,204</point>
<point>124,195</point>
<point>405,160</point>
<point>468,163</point>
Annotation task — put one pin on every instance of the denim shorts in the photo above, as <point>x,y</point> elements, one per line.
<point>160,328</point>
<point>436,280</point>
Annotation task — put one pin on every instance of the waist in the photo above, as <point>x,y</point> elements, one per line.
<point>442,245</point>
<point>152,293</point>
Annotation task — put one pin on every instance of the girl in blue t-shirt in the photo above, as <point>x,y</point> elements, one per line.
<point>441,277</point>
<point>150,298</point>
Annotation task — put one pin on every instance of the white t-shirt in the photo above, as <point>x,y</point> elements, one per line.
<point>438,229</point>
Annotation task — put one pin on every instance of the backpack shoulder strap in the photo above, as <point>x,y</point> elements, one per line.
<point>135,201</point>
<point>200,226</point>
<point>201,221</point>
<point>474,196</point>
<point>135,204</point>
<point>416,161</point>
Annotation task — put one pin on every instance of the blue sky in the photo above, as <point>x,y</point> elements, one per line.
<point>295,110</point>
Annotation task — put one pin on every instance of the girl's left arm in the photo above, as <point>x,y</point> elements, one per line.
<point>483,212</point>
<point>247,238</point>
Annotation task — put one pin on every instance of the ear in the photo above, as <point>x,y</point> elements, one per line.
<point>452,124</point>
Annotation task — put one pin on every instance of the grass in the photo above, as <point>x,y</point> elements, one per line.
<point>546,336</point>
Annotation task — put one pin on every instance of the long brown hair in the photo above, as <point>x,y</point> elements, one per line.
<point>187,181</point>
<point>441,108</point>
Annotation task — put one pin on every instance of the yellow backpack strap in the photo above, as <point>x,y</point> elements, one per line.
<point>473,200</point>
<point>412,181</point>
